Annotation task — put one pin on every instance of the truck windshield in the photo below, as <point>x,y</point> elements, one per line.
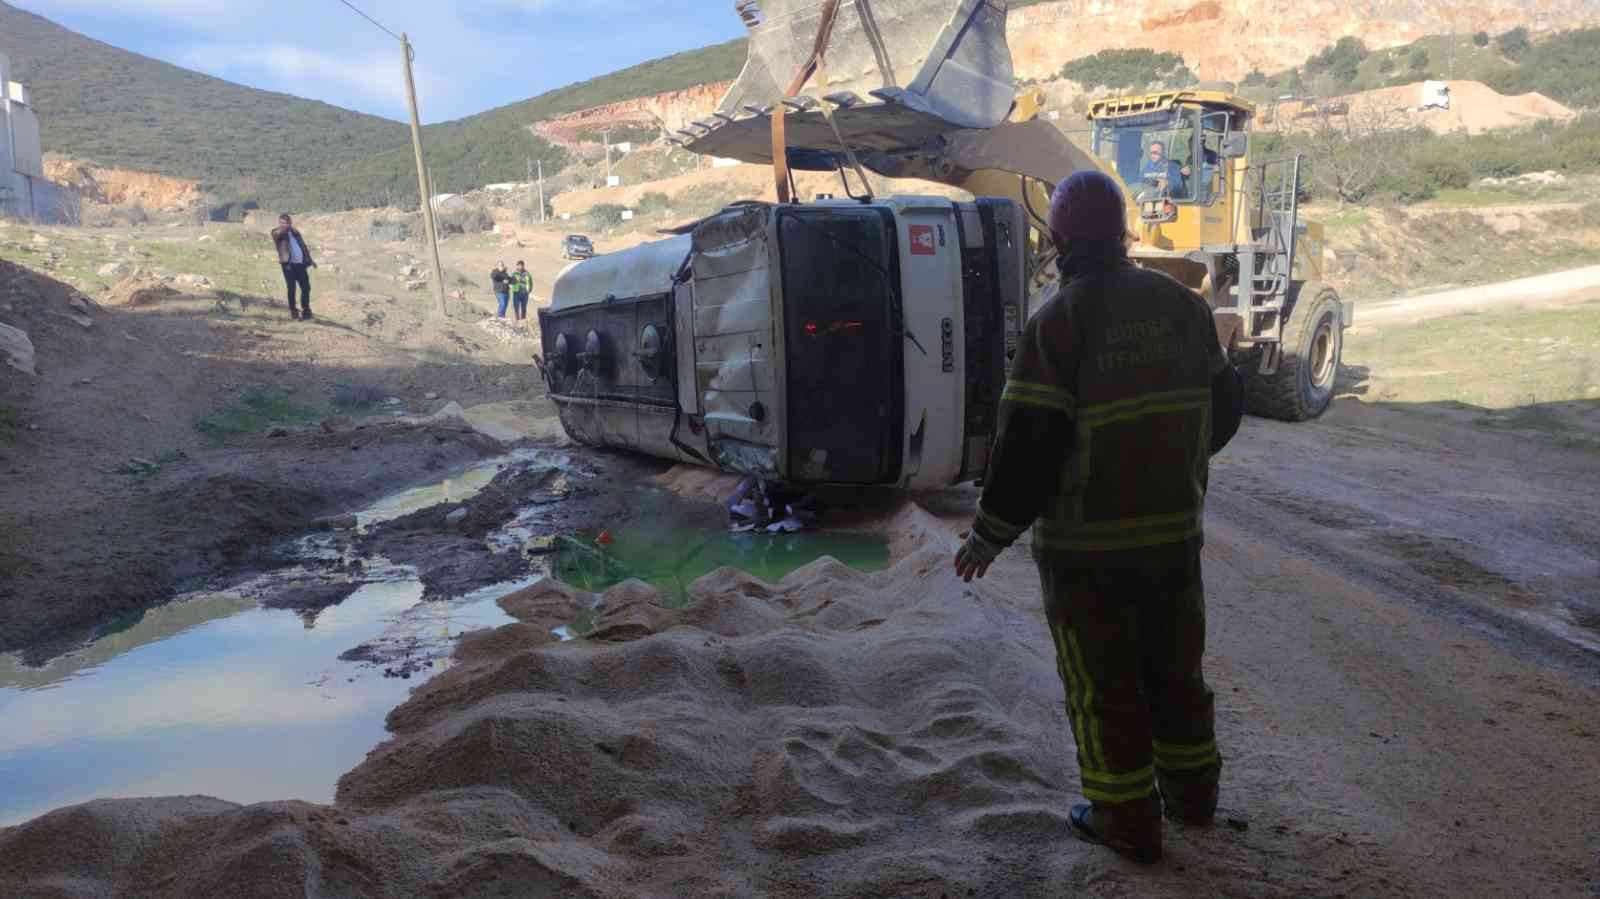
<point>1153,153</point>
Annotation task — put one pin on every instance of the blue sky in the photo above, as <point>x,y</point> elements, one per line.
<point>472,55</point>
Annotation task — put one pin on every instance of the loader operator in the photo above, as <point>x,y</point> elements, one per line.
<point>1162,173</point>
<point>1118,396</point>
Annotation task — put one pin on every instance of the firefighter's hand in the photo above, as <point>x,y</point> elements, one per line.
<point>974,557</point>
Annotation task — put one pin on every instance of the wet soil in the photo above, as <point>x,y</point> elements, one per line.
<point>92,558</point>
<point>449,544</point>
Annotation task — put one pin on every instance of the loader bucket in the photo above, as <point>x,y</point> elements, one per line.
<point>898,72</point>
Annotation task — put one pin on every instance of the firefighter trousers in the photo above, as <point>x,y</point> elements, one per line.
<point>1129,643</point>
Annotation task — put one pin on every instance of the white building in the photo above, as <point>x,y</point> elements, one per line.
<point>24,192</point>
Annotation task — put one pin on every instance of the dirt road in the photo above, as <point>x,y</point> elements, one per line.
<point>1571,285</point>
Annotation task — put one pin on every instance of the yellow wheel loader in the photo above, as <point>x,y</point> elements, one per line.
<point>925,89</point>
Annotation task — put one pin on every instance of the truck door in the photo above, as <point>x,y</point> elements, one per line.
<point>846,397</point>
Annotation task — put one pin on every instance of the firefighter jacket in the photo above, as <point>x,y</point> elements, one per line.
<point>1105,430</point>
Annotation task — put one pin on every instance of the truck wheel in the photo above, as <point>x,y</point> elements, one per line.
<point>1302,388</point>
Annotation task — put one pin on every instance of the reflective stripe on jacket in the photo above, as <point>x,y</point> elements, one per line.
<point>1105,423</point>
<point>521,282</point>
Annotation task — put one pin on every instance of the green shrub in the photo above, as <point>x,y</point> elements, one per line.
<point>1129,68</point>
<point>470,220</point>
<point>1255,78</point>
<point>1342,60</point>
<point>1419,59</point>
<point>654,201</point>
<point>1386,65</point>
<point>528,213</point>
<point>606,215</point>
<point>1561,67</point>
<point>1410,165</point>
<point>1513,44</point>
<point>1481,39</point>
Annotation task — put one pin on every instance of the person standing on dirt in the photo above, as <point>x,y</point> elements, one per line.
<point>521,286</point>
<point>1118,397</point>
<point>295,259</point>
<point>501,281</point>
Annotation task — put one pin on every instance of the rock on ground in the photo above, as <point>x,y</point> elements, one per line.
<point>18,349</point>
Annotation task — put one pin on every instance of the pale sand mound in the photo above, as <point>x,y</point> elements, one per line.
<point>1474,108</point>
<point>835,734</point>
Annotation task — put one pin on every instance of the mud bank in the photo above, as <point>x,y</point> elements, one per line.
<point>66,573</point>
<point>461,546</point>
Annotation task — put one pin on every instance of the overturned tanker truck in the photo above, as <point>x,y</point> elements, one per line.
<point>859,341</point>
<point>835,342</point>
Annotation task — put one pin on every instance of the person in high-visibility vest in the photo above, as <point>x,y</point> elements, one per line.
<point>521,286</point>
<point>1118,396</point>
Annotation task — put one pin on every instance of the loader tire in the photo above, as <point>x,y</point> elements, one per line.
<point>1302,387</point>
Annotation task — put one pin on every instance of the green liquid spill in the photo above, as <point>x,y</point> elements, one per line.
<point>670,562</point>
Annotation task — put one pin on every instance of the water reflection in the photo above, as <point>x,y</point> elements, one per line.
<point>671,560</point>
<point>212,695</point>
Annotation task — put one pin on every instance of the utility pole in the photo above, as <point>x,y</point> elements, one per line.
<point>541,191</point>
<point>607,135</point>
<point>422,180</point>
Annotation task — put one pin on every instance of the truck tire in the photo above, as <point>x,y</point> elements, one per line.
<point>1302,387</point>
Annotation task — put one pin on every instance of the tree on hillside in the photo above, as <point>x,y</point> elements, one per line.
<point>1513,44</point>
<point>1341,61</point>
<point>1419,59</point>
<point>1481,39</point>
<point>1129,68</point>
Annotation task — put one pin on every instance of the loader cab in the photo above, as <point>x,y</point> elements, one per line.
<point>1181,154</point>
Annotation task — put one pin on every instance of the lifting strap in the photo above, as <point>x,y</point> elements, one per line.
<point>780,145</point>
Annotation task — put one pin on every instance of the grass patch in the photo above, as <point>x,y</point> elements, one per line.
<point>1513,359</point>
<point>255,412</point>
<point>1478,196</point>
<point>1348,218</point>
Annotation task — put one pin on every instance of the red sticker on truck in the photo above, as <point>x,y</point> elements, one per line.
<point>922,241</point>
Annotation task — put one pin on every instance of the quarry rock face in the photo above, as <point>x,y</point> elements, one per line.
<point>1226,40</point>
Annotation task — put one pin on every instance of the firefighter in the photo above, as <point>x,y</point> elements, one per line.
<point>1118,396</point>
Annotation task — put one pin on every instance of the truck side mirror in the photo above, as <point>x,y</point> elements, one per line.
<point>1235,144</point>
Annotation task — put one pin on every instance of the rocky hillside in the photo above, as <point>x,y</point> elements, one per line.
<point>113,108</point>
<point>1227,40</point>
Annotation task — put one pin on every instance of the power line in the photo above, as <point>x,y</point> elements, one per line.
<point>370,19</point>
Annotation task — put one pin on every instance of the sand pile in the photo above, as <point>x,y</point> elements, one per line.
<point>835,734</point>
<point>1474,108</point>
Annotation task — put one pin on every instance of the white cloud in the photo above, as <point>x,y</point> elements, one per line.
<point>305,72</point>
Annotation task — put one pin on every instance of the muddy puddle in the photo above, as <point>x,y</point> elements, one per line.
<point>275,686</point>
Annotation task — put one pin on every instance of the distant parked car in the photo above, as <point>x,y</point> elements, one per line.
<point>577,246</point>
